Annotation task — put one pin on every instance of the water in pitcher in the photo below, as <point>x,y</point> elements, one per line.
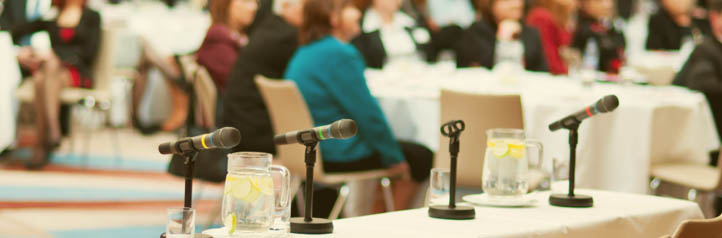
<point>505,168</point>
<point>248,201</point>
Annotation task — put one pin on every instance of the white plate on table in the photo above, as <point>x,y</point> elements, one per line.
<point>485,200</point>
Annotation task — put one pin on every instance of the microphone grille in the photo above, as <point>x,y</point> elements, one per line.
<point>608,103</point>
<point>344,128</point>
<point>229,137</point>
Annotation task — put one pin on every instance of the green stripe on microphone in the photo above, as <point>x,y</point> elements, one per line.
<point>320,134</point>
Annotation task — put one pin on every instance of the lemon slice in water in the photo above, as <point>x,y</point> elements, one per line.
<point>517,150</point>
<point>239,187</point>
<point>230,223</point>
<point>500,149</point>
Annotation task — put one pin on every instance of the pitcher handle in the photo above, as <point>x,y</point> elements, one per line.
<point>286,186</point>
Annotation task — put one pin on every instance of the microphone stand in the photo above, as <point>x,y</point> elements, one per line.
<point>571,199</point>
<point>308,224</point>
<point>453,130</point>
<point>190,162</point>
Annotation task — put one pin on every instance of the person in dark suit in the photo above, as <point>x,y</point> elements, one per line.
<point>268,52</point>
<point>673,25</point>
<point>597,29</point>
<point>446,27</point>
<point>389,34</point>
<point>12,12</point>
<point>501,37</point>
<point>75,39</point>
<point>702,71</point>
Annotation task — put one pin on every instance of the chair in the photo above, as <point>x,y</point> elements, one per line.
<point>288,112</point>
<point>709,228</point>
<point>205,92</point>
<point>670,178</point>
<point>103,73</point>
<point>481,113</point>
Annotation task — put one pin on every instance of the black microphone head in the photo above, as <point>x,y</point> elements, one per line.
<point>343,129</point>
<point>164,148</point>
<point>228,137</point>
<point>607,103</point>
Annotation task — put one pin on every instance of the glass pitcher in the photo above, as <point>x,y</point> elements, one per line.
<point>249,198</point>
<point>506,163</point>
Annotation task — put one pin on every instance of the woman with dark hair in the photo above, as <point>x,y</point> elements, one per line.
<point>597,37</point>
<point>225,37</point>
<point>329,73</point>
<point>389,35</point>
<point>75,39</point>
<point>553,19</point>
<point>501,37</point>
<point>674,25</point>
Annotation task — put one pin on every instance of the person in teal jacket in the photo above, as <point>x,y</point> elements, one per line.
<point>329,73</point>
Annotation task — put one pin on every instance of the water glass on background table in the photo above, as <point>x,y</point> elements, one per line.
<point>439,186</point>
<point>181,222</point>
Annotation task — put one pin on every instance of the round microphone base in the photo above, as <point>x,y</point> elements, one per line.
<point>564,200</point>
<point>315,226</point>
<point>456,213</point>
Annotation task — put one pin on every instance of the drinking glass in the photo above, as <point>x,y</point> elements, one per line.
<point>439,186</point>
<point>181,222</point>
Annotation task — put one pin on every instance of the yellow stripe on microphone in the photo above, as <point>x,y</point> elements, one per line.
<point>203,141</point>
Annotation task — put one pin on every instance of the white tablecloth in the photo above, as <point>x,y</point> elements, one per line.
<point>613,215</point>
<point>179,30</point>
<point>9,80</point>
<point>651,125</point>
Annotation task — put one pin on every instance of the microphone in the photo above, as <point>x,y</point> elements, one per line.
<point>606,104</point>
<point>224,138</point>
<point>341,129</point>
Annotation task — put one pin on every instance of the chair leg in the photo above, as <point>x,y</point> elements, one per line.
<point>388,195</point>
<point>340,201</point>
<point>654,186</point>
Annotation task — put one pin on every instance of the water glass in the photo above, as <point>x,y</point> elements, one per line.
<point>560,176</point>
<point>181,222</point>
<point>439,186</point>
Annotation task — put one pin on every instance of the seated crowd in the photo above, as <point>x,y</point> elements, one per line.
<point>325,46</point>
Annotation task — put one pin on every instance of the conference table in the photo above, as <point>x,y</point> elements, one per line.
<point>9,81</point>
<point>653,124</point>
<point>613,215</point>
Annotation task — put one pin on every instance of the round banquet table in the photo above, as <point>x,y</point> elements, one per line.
<point>178,30</point>
<point>9,81</point>
<point>616,150</point>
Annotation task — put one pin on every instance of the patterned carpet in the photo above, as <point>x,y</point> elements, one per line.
<point>94,189</point>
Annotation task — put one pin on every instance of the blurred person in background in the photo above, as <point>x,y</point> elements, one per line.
<point>674,25</point>
<point>598,36</point>
<point>268,52</point>
<point>500,37</point>
<point>217,53</point>
<point>388,35</point>
<point>702,71</point>
<point>329,73</point>
<point>75,38</point>
<point>555,21</point>
<point>446,21</point>
<point>225,37</point>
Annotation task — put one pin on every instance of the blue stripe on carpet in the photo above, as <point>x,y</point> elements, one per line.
<point>123,232</point>
<point>102,162</point>
<point>54,194</point>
